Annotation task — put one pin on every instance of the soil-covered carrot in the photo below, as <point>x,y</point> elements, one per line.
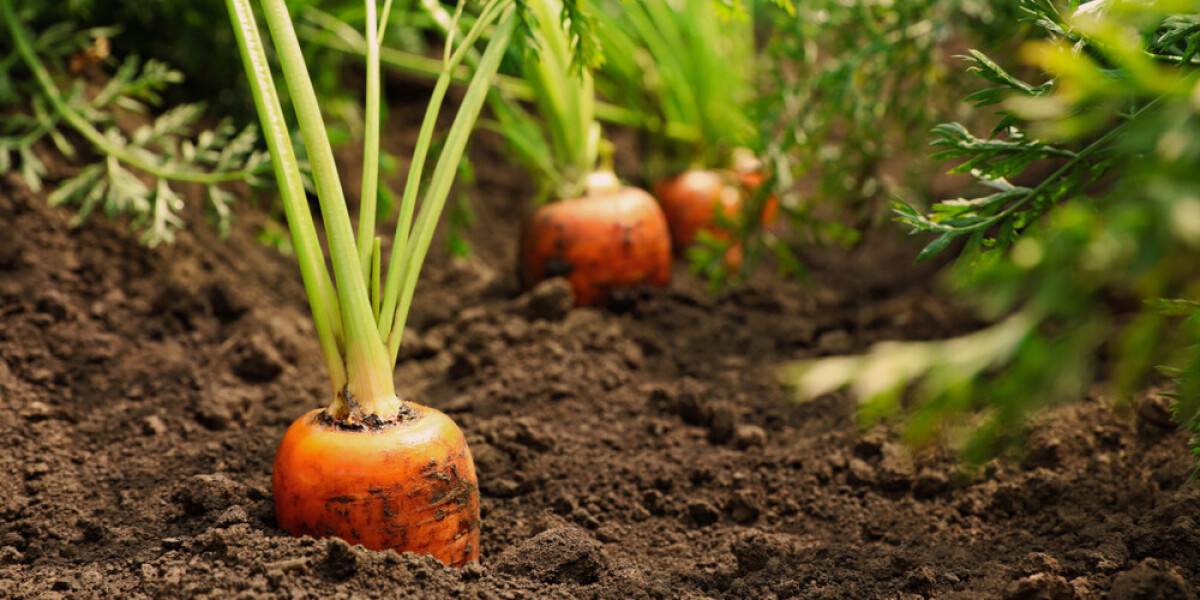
<point>420,495</point>
<point>610,239</point>
<point>370,468</point>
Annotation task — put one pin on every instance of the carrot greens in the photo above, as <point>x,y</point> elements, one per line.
<point>360,312</point>
<point>684,62</point>
<point>167,148</point>
<point>1078,239</point>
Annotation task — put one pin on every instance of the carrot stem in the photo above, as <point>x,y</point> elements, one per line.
<point>369,374</point>
<point>397,271</point>
<point>313,272</point>
<point>371,321</point>
<point>447,165</point>
<point>331,33</point>
<point>370,166</point>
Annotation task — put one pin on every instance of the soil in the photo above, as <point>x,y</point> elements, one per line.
<point>646,452</point>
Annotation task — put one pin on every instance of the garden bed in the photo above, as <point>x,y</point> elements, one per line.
<point>640,453</point>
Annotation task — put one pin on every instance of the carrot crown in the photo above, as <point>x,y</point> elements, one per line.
<point>360,311</point>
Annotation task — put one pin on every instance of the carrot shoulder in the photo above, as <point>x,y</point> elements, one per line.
<point>407,486</point>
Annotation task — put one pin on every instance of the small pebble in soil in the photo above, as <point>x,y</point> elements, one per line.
<point>559,555</point>
<point>153,425</point>
<point>859,472</point>
<point>1038,562</point>
<point>930,483</point>
<point>39,411</point>
<point>749,436</point>
<point>1040,586</point>
<point>744,506</point>
<point>1151,580</point>
<point>703,512</point>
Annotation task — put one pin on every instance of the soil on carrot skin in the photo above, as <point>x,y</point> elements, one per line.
<point>646,453</point>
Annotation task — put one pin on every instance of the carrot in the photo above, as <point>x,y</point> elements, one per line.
<point>601,242</point>
<point>700,200</point>
<point>420,495</point>
<point>369,468</point>
<point>691,202</point>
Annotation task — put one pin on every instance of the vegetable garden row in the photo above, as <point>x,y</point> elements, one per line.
<point>671,339</point>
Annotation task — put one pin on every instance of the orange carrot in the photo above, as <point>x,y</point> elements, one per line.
<point>607,240</point>
<point>369,468</point>
<point>408,485</point>
<point>698,200</point>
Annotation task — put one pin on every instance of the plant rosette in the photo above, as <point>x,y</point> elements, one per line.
<point>612,238</point>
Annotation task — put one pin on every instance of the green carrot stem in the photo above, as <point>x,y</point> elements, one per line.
<point>346,39</point>
<point>565,100</point>
<point>370,165</point>
<point>313,272</point>
<point>369,372</point>
<point>395,274</point>
<point>376,263</point>
<point>383,19</point>
<point>447,165</point>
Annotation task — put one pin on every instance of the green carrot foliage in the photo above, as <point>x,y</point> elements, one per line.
<point>1085,218</point>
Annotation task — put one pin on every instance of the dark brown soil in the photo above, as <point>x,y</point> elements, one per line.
<point>641,454</point>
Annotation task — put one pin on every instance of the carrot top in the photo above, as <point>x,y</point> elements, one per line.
<point>360,311</point>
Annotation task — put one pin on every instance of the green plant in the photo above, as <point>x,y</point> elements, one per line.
<point>326,30</point>
<point>685,62</point>
<point>166,149</point>
<point>560,145</point>
<point>1078,259</point>
<point>360,312</point>
<point>840,88</point>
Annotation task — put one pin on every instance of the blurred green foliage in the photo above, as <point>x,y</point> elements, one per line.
<point>46,103</point>
<point>194,37</point>
<point>684,63</point>
<point>1091,264</point>
<point>837,91</point>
